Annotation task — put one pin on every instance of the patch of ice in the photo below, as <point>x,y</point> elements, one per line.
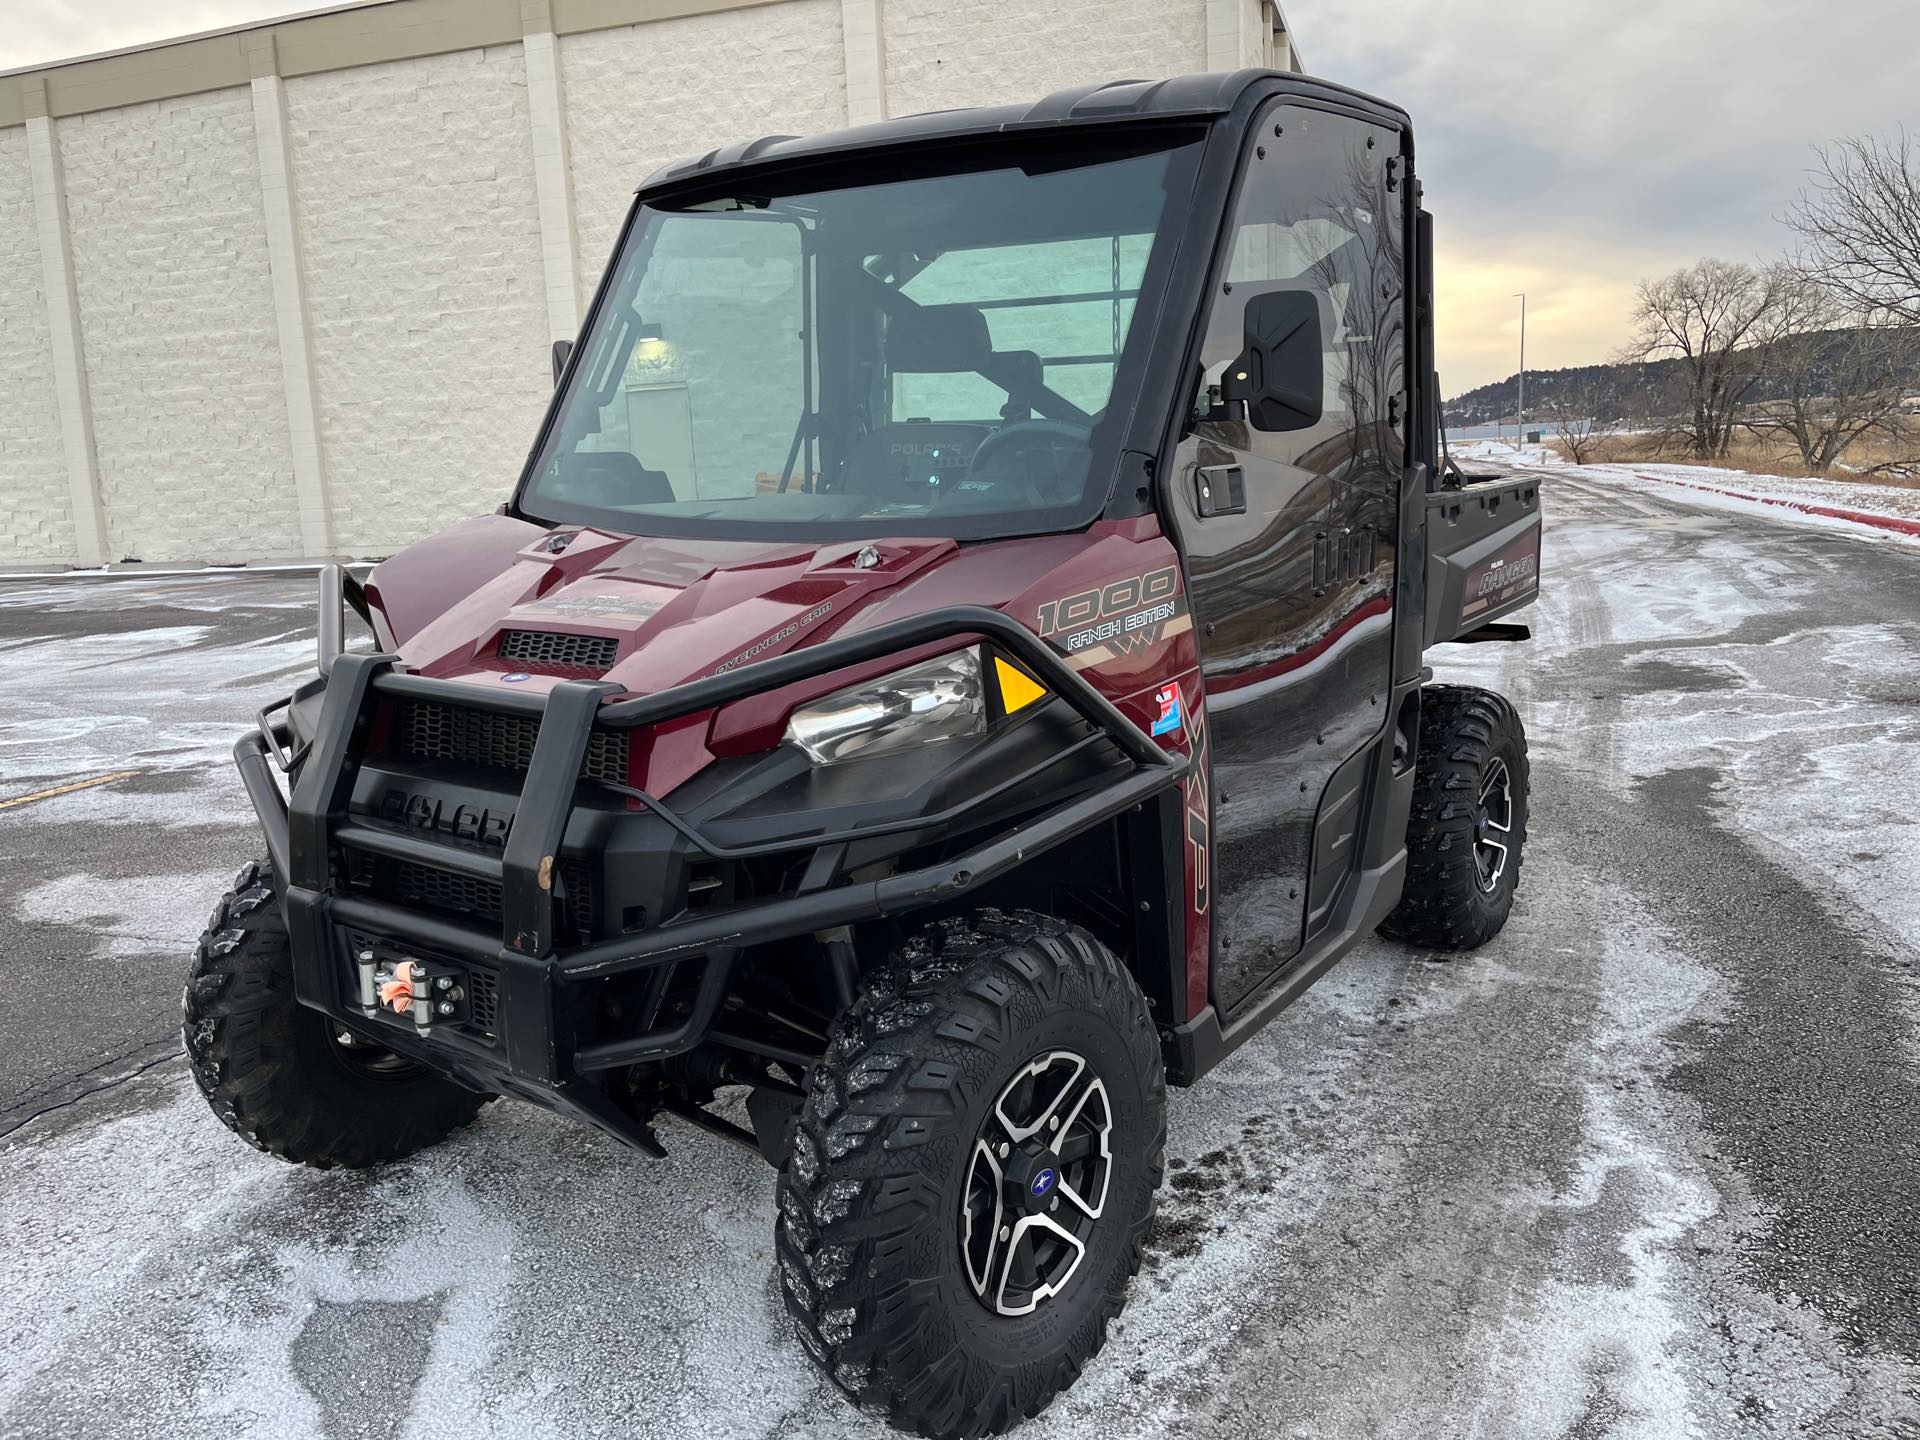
<point>132,916</point>
<point>1617,1331</point>
<point>161,699</point>
<point>1819,747</point>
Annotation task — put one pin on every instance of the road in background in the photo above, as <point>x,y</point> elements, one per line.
<point>1647,1165</point>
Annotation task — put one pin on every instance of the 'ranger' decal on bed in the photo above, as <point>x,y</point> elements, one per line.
<point>1514,572</point>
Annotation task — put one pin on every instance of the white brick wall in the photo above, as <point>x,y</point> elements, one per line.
<point>414,186</point>
<point>1254,28</point>
<point>36,518</point>
<point>947,53</point>
<point>176,319</point>
<point>416,230</point>
<point>642,96</point>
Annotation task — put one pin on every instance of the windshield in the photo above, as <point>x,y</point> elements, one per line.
<point>917,354</point>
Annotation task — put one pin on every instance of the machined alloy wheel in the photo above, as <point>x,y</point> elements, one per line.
<point>1467,824</point>
<point>1037,1183</point>
<point>1493,825</point>
<point>971,1177</point>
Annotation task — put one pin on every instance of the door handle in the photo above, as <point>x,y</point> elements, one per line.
<point>1219,490</point>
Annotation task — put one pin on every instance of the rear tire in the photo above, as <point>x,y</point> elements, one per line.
<point>1468,825</point>
<point>275,1071</point>
<point>893,1236</point>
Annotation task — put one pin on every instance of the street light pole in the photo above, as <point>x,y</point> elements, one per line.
<point>1520,417</point>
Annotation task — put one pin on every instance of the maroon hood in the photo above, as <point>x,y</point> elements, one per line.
<point>673,610</point>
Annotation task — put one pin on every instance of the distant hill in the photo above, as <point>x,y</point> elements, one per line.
<point>1615,386</point>
<point>1615,390</point>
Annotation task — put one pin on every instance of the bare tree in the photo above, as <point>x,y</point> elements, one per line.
<point>1860,221</point>
<point>1650,398</point>
<point>1585,415</point>
<point>1838,377</point>
<point>1706,317</point>
<point>1903,437</point>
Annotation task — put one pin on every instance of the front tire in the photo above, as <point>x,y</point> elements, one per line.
<point>277,1073</point>
<point>1468,824</point>
<point>973,1174</point>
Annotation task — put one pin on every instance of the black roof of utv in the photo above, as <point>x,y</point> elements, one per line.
<point>1106,102</point>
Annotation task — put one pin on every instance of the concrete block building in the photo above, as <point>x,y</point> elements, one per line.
<point>287,290</point>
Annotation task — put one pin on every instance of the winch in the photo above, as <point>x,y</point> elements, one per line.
<point>408,986</point>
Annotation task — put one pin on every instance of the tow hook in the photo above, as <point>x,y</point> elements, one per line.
<point>409,987</point>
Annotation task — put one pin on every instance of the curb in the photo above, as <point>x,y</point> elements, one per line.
<point>1831,512</point>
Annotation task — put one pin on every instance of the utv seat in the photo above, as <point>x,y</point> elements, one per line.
<point>898,461</point>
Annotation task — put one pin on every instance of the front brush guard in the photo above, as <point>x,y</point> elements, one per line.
<point>301,836</point>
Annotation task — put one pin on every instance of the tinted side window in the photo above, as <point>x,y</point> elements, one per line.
<point>1314,214</point>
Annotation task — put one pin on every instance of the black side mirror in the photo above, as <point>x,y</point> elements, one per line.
<point>1280,374</point>
<point>561,350</point>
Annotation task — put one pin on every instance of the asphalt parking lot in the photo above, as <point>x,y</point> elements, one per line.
<point>1647,1165</point>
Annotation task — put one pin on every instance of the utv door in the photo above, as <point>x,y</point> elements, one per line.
<point>1288,519</point>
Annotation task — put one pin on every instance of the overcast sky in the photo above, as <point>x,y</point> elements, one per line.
<point>33,32</point>
<point>1568,147</point>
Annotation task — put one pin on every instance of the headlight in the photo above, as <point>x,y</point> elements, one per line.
<point>938,700</point>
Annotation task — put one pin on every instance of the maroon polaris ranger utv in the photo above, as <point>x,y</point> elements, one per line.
<point>951,666</point>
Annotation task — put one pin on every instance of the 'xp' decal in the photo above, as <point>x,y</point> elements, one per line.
<point>1116,619</point>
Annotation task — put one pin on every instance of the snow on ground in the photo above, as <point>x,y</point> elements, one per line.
<point>1788,720</point>
<point>127,917</point>
<point>88,694</point>
<point>1503,452</point>
<point>1893,500</point>
<point>1769,494</point>
<point>1522,1194</point>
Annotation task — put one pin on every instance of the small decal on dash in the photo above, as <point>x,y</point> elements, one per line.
<point>515,678</point>
<point>1168,700</point>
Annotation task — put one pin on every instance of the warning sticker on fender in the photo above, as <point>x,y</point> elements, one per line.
<point>1168,701</point>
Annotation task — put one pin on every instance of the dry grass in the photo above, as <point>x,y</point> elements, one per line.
<point>1756,455</point>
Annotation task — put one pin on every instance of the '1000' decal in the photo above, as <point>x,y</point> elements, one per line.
<point>1117,619</point>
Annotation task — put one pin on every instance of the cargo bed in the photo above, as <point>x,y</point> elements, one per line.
<point>1483,553</point>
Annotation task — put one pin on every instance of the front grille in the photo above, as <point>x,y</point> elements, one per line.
<point>483,1001</point>
<point>424,887</point>
<point>552,647</point>
<point>432,731</point>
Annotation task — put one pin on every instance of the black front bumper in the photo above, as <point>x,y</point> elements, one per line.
<point>535,986</point>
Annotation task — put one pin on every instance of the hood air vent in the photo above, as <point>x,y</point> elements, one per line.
<point>550,647</point>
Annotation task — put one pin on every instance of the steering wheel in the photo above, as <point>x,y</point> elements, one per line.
<point>1025,436</point>
<point>1030,435</point>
